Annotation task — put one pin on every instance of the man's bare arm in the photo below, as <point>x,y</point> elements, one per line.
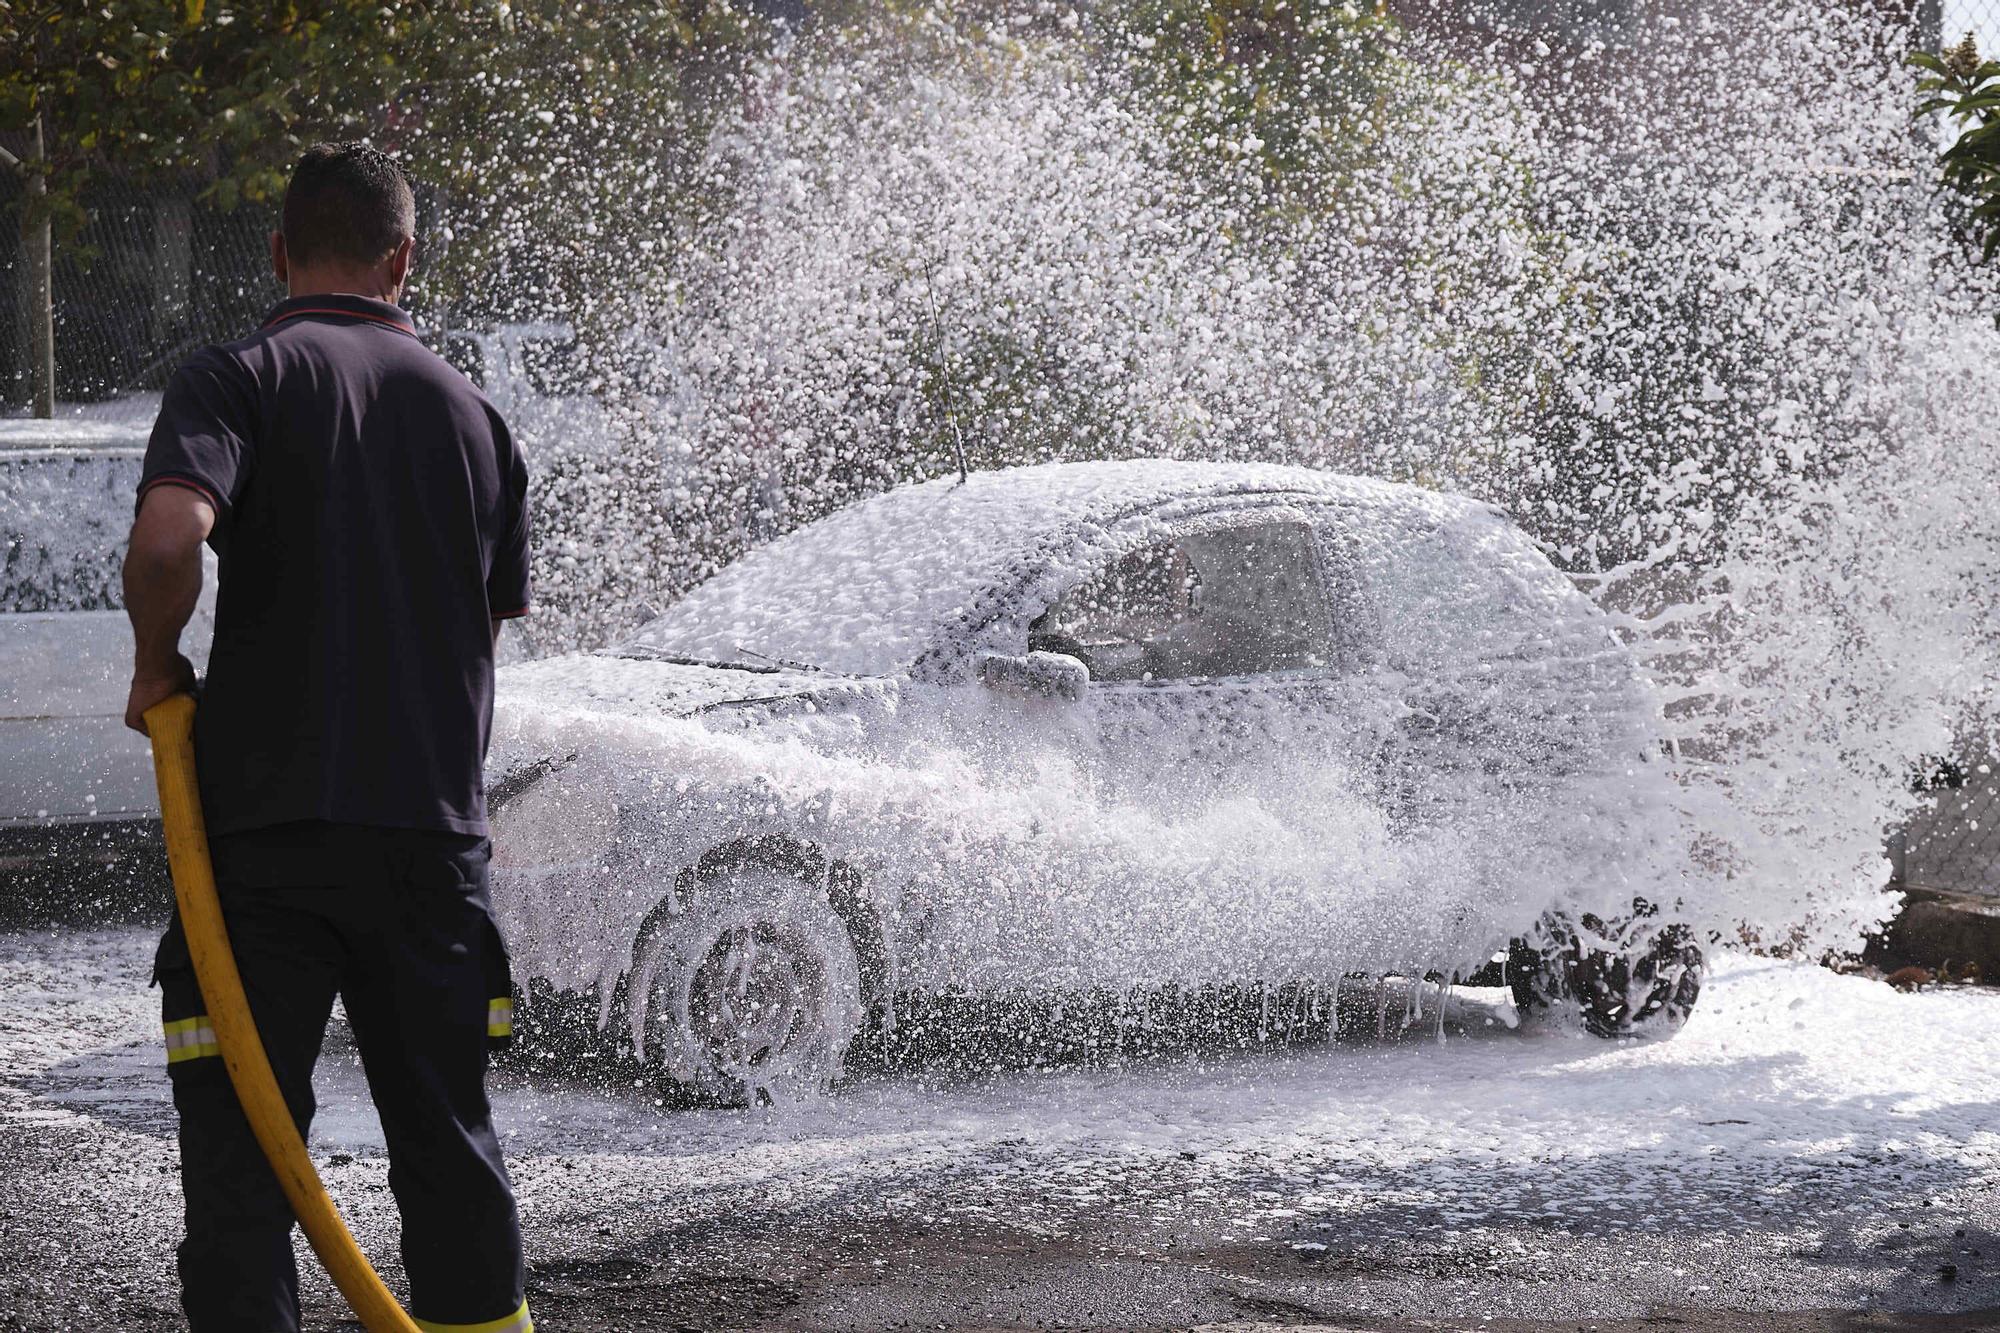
<point>162,583</point>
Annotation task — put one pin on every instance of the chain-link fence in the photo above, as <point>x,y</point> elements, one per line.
<point>154,274</point>
<point>1955,18</point>
<point>1954,844</point>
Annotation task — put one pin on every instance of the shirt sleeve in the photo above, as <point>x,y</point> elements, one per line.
<point>508,584</point>
<point>206,432</point>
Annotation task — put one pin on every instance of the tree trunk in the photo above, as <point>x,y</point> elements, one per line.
<point>35,244</point>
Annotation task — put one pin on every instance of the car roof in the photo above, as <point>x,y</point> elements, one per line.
<point>865,589</point>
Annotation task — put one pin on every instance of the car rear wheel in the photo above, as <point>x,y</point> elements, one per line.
<point>751,991</point>
<point>1634,977</point>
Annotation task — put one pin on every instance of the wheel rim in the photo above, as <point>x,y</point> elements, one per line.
<point>753,988</point>
<point>754,993</point>
<point>1625,980</point>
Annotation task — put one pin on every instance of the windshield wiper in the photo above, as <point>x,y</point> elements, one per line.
<point>645,652</point>
<point>748,651</point>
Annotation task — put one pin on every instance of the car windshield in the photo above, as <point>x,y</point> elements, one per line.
<point>862,592</point>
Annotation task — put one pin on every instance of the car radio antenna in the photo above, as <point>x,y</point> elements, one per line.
<point>944,361</point>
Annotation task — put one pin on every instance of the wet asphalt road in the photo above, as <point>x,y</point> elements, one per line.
<point>1753,1174</point>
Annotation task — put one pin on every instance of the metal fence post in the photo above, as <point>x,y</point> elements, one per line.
<point>38,257</point>
<point>36,242</point>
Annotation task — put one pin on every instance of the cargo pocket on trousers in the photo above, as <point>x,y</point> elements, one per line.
<point>172,958</point>
<point>499,989</point>
<point>185,1029</point>
<point>474,868</point>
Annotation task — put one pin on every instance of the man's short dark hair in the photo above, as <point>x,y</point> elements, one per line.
<point>349,202</point>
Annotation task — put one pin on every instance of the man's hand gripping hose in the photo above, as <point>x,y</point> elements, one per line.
<point>171,725</point>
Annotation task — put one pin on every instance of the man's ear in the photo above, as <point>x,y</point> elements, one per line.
<point>281,265</point>
<point>400,260</point>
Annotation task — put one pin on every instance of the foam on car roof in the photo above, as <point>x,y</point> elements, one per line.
<point>864,591</point>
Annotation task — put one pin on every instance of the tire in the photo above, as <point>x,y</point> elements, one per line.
<point>751,992</point>
<point>1634,978</point>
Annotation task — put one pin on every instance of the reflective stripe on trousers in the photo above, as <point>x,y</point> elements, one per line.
<point>517,1322</point>
<point>190,1039</point>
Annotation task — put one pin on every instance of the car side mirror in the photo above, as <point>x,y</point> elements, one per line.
<point>1037,675</point>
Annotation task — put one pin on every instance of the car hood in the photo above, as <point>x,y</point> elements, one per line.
<point>612,684</point>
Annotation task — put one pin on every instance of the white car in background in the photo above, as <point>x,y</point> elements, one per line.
<point>75,785</point>
<point>1156,730</point>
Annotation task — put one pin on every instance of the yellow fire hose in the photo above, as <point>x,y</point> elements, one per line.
<point>171,725</point>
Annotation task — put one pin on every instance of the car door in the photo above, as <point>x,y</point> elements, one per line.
<point>1468,655</point>
<point>1219,653</point>
<point>1206,763</point>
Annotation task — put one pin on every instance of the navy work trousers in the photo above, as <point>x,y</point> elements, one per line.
<point>398,924</point>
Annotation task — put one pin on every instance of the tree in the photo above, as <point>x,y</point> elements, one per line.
<point>502,104</point>
<point>1967,90</point>
<point>155,89</point>
<point>1300,94</point>
<point>557,133</point>
<point>36,253</point>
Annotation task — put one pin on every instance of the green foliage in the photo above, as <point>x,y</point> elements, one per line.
<point>559,134</point>
<point>505,107</point>
<point>167,87</point>
<point>1967,90</point>
<point>1298,92</point>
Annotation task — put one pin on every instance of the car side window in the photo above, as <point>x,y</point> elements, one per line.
<point>1455,595</point>
<point>1232,602</point>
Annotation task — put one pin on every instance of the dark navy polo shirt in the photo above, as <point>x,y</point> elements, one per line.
<point>371,522</point>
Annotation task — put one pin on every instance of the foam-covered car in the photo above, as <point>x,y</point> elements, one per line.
<point>1126,728</point>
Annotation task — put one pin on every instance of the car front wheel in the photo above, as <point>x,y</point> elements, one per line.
<point>751,991</point>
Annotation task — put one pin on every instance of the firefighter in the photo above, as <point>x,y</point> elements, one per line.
<point>368,509</point>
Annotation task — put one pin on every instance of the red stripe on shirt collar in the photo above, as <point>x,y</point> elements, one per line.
<point>400,325</point>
